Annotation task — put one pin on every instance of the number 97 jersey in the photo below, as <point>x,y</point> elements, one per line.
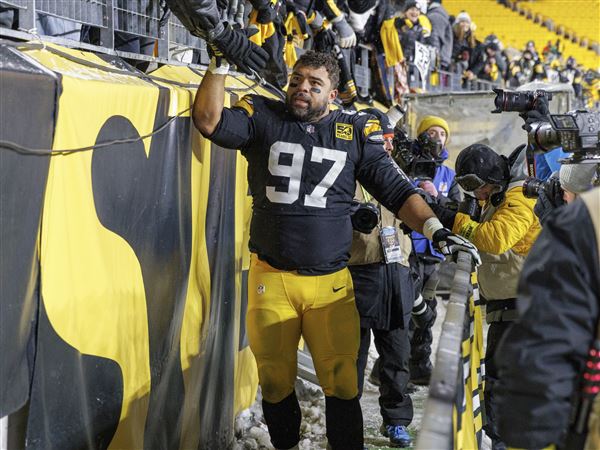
<point>302,178</point>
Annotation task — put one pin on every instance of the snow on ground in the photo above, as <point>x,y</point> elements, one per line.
<point>251,431</point>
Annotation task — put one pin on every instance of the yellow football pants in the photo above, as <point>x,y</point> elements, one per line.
<point>284,305</point>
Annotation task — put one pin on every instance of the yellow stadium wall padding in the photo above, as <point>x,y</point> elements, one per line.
<point>142,254</point>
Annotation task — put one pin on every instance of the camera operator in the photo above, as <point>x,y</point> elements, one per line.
<point>564,187</point>
<point>550,356</point>
<point>503,231</point>
<point>384,292</point>
<point>441,189</point>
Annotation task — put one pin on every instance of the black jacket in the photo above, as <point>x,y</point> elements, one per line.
<point>542,355</point>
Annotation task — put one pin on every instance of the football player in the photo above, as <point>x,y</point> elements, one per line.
<point>303,164</point>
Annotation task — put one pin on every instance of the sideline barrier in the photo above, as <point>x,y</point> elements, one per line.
<point>452,418</point>
<point>122,292</point>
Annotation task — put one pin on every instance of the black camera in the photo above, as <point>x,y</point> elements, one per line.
<point>533,186</point>
<point>521,102</point>
<point>418,157</point>
<point>364,216</point>
<point>577,132</point>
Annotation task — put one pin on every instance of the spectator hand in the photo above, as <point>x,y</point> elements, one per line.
<point>237,49</point>
<point>345,33</point>
<point>449,243</point>
<point>266,14</point>
<point>428,187</point>
<point>324,40</point>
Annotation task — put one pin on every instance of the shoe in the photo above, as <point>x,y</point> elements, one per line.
<point>398,435</point>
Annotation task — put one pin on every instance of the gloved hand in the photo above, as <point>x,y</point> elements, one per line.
<point>550,197</point>
<point>423,315</point>
<point>538,114</point>
<point>266,14</point>
<point>345,33</point>
<point>471,207</point>
<point>237,49</point>
<point>324,40</point>
<point>449,243</point>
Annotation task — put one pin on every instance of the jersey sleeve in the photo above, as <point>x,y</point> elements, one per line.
<point>236,127</point>
<point>378,172</point>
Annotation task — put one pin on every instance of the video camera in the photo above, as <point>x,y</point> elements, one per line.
<point>415,156</point>
<point>576,132</point>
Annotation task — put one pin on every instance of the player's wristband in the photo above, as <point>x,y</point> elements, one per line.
<point>218,66</point>
<point>430,226</point>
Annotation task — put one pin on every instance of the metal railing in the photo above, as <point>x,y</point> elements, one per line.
<point>131,19</point>
<point>436,427</point>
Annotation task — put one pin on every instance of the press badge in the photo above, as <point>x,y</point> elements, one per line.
<point>391,245</point>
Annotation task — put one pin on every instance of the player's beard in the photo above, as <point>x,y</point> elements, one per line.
<point>310,113</point>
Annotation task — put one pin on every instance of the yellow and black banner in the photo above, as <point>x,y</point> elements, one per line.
<point>123,267</point>
<point>468,412</point>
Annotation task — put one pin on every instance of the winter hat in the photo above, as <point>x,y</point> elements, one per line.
<point>463,17</point>
<point>386,126</point>
<point>410,4</point>
<point>577,178</point>
<point>483,161</point>
<point>433,121</point>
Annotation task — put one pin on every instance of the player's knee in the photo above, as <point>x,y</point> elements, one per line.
<point>277,379</point>
<point>339,378</point>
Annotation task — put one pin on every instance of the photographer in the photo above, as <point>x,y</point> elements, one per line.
<point>544,354</point>
<point>441,188</point>
<point>503,231</point>
<point>384,293</point>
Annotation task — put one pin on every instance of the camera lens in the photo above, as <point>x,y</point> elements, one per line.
<point>532,186</point>
<point>365,218</point>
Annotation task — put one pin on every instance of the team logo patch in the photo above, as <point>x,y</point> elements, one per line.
<point>344,131</point>
<point>260,289</point>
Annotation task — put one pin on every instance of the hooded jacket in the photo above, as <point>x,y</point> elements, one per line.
<point>544,352</point>
<point>503,237</point>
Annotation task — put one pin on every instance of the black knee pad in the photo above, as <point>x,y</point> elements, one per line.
<point>344,423</point>
<point>283,419</point>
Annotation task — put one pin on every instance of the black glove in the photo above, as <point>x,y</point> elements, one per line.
<point>423,315</point>
<point>324,41</point>
<point>266,14</point>
<point>449,243</point>
<point>200,17</point>
<point>237,49</point>
<point>550,197</point>
<point>470,206</point>
<point>539,114</point>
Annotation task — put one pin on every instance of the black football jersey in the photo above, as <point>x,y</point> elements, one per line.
<point>302,178</point>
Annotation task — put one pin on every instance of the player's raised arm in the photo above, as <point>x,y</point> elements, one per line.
<point>209,101</point>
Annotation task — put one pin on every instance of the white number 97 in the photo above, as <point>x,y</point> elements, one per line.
<point>317,197</point>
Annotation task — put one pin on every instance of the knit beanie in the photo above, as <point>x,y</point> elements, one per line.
<point>432,121</point>
<point>463,17</point>
<point>577,178</point>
